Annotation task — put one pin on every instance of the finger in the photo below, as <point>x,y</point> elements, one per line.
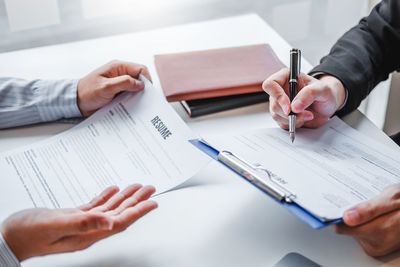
<point>143,194</point>
<point>274,86</point>
<point>316,122</point>
<point>281,77</point>
<point>123,83</point>
<point>132,214</point>
<point>146,74</point>
<point>276,108</point>
<point>343,229</point>
<point>281,120</point>
<point>117,199</point>
<point>284,126</point>
<point>117,68</point>
<point>387,201</point>
<point>308,95</point>
<point>371,229</point>
<point>305,79</point>
<point>135,70</point>
<point>301,119</point>
<point>100,199</point>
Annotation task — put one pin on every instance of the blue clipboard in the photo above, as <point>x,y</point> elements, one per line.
<point>280,195</point>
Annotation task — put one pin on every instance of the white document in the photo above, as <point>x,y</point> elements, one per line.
<point>329,169</point>
<point>137,138</point>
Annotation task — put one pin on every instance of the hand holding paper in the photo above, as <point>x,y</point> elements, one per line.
<point>137,138</point>
<point>99,87</point>
<point>375,223</point>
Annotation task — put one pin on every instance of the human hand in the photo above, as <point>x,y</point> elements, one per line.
<point>316,101</point>
<point>375,224</point>
<point>36,232</point>
<point>99,87</point>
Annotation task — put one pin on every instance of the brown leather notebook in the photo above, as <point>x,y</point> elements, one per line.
<point>217,72</point>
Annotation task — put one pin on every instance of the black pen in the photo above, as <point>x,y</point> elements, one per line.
<point>295,57</point>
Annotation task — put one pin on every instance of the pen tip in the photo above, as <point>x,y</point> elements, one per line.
<point>292,137</point>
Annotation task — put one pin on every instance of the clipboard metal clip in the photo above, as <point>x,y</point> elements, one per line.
<point>258,175</point>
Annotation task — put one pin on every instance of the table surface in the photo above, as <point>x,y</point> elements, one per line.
<point>215,218</point>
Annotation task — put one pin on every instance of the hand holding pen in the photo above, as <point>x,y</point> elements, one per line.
<point>316,100</point>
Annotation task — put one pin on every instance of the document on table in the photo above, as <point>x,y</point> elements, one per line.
<point>329,169</point>
<point>137,138</point>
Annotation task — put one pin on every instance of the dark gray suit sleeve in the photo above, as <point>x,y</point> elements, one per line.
<point>366,54</point>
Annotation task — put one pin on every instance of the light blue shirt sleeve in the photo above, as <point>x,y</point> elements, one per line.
<point>7,257</point>
<point>25,102</point>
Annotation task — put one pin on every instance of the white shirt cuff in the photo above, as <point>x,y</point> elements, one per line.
<point>7,257</point>
<point>317,74</point>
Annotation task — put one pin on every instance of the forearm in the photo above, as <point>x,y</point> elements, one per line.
<point>28,102</point>
<point>7,257</point>
<point>366,54</point>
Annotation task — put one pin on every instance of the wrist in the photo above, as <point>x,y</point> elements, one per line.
<point>87,99</point>
<point>79,98</point>
<point>337,89</point>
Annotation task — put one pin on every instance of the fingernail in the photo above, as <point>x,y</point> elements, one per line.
<point>352,216</point>
<point>309,117</point>
<point>140,84</point>
<point>103,224</point>
<point>297,105</point>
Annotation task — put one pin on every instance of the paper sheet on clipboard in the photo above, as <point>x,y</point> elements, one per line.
<point>329,169</point>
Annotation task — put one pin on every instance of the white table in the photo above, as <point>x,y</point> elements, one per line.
<point>216,218</point>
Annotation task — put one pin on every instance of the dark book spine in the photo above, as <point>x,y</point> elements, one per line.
<point>202,107</point>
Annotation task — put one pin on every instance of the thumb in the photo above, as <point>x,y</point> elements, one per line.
<point>387,201</point>
<point>307,96</point>
<point>123,83</point>
<point>85,222</point>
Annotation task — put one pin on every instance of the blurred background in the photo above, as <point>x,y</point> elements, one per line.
<point>312,25</point>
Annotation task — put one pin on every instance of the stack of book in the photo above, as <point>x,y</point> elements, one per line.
<point>206,106</point>
<point>215,80</point>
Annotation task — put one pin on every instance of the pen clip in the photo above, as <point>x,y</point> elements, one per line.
<point>298,62</point>
<point>258,175</point>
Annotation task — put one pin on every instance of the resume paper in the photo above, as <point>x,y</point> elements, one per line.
<point>137,138</point>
